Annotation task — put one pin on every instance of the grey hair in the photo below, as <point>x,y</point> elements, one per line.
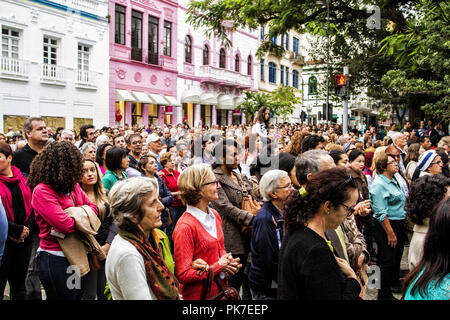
<point>126,198</point>
<point>308,162</point>
<point>101,140</point>
<point>68,132</point>
<point>396,135</point>
<point>269,182</point>
<point>86,146</point>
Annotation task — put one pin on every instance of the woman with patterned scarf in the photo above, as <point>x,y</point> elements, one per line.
<point>135,266</point>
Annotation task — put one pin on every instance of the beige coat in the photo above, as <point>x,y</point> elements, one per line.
<point>416,245</point>
<point>76,245</point>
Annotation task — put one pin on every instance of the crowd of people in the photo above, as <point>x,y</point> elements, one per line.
<point>284,211</point>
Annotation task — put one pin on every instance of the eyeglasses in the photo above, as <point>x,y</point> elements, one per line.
<point>439,163</point>
<point>288,186</point>
<point>350,210</point>
<point>215,181</point>
<point>392,162</point>
<point>137,142</point>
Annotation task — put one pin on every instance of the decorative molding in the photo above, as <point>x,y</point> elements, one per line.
<point>121,73</point>
<point>154,80</point>
<point>138,77</point>
<point>167,81</point>
<point>13,22</point>
<point>53,32</point>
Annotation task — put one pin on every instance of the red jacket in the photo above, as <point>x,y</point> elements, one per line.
<point>171,181</point>
<point>191,242</point>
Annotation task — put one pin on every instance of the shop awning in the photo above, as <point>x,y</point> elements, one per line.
<point>172,101</point>
<point>225,102</point>
<point>124,95</point>
<point>191,96</point>
<point>209,98</point>
<point>158,99</point>
<point>141,97</point>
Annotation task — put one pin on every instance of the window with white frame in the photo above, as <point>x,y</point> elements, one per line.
<point>10,43</point>
<point>50,51</point>
<point>83,57</point>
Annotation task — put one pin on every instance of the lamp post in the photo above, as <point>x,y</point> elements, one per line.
<point>327,3</point>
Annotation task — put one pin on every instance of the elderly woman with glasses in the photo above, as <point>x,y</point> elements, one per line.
<point>267,229</point>
<point>387,202</point>
<point>308,267</point>
<point>429,163</point>
<point>136,267</point>
<point>198,236</point>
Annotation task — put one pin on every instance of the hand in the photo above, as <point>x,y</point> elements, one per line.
<point>361,259</point>
<point>105,248</point>
<point>363,208</point>
<point>200,265</point>
<point>233,266</point>
<point>392,239</point>
<point>346,269</point>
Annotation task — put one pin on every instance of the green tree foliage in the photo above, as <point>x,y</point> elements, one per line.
<point>421,73</point>
<point>281,101</point>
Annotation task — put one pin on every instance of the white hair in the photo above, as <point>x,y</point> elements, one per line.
<point>86,146</point>
<point>396,135</point>
<point>270,181</point>
<point>126,197</point>
<point>101,139</point>
<point>67,131</point>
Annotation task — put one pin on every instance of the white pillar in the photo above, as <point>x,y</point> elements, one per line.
<point>179,111</point>
<point>197,115</point>
<point>243,119</point>
<point>229,117</point>
<point>213,115</point>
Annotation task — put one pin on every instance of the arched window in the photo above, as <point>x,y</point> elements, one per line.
<point>205,55</point>
<point>237,63</point>
<point>222,58</point>
<point>249,65</point>
<point>188,49</point>
<point>272,72</point>
<point>295,79</point>
<point>312,85</point>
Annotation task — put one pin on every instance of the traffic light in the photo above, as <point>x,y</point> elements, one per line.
<point>341,85</point>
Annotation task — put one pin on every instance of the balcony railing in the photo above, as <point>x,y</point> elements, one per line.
<point>13,68</point>
<point>223,75</point>
<point>136,54</point>
<point>86,79</point>
<point>53,73</point>
<point>153,58</point>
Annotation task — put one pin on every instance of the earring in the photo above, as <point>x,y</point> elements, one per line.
<point>328,212</point>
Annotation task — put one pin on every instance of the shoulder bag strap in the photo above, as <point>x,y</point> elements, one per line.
<point>73,199</point>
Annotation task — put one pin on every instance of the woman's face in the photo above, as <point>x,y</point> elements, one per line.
<point>231,157</point>
<point>436,166</point>
<point>267,114</point>
<point>284,188</point>
<point>151,167</point>
<point>151,208</point>
<point>209,189</point>
<point>125,162</point>
<point>89,173</point>
<point>339,213</point>
<point>343,161</point>
<point>169,164</point>
<point>358,164</point>
<point>5,162</point>
<point>144,150</point>
<point>90,154</point>
<point>392,166</point>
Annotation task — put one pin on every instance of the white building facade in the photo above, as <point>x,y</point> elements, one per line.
<point>275,71</point>
<point>54,62</point>
<point>212,77</point>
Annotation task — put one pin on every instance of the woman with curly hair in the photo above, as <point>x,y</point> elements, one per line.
<point>54,176</point>
<point>425,193</point>
<point>261,127</point>
<point>295,145</point>
<point>308,268</point>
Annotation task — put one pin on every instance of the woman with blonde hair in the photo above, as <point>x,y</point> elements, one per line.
<point>379,152</point>
<point>198,237</point>
<point>92,185</point>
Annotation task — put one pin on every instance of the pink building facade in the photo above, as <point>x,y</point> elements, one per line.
<point>143,62</point>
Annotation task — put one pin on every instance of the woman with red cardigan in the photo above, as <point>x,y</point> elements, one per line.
<point>16,198</point>
<point>198,236</point>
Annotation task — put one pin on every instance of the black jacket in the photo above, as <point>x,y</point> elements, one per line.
<point>22,159</point>
<point>308,270</point>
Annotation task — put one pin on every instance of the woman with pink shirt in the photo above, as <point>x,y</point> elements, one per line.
<point>54,176</point>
